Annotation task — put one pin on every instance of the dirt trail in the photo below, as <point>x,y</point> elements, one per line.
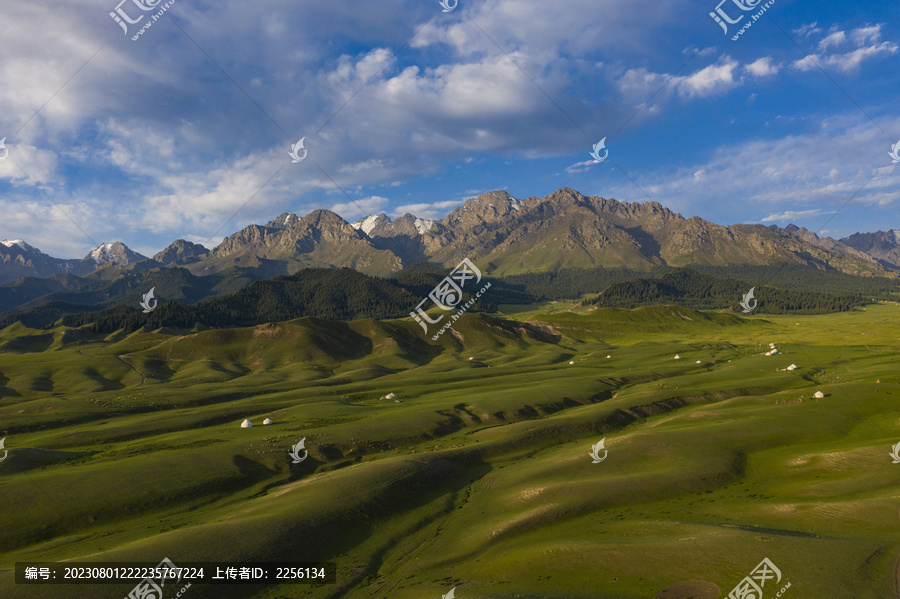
<point>124,361</point>
<point>130,365</point>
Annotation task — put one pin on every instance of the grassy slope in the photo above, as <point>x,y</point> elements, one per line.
<point>480,476</point>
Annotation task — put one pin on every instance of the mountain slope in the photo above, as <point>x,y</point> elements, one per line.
<point>884,246</point>
<point>319,239</point>
<point>568,230</point>
<point>180,253</point>
<point>340,294</point>
<point>19,259</point>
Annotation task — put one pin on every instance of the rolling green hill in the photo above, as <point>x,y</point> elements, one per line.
<point>127,447</point>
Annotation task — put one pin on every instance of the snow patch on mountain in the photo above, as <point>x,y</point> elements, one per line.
<point>103,253</point>
<point>368,223</point>
<point>423,225</point>
<point>17,242</point>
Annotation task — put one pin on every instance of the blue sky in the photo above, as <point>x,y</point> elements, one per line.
<point>185,132</point>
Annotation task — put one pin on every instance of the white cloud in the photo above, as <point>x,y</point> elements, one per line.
<point>359,208</point>
<point>808,29</point>
<point>865,35</point>
<point>792,173</point>
<point>28,165</point>
<point>434,211</point>
<point>714,79</point>
<point>762,67</point>
<point>838,38</point>
<point>637,85</point>
<point>791,215</point>
<point>851,60</point>
<point>580,167</point>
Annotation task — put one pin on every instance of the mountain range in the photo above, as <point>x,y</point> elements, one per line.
<point>503,235</point>
<point>19,259</point>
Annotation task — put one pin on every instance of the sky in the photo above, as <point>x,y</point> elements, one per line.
<point>184,131</point>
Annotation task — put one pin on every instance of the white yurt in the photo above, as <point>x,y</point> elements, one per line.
<point>608,357</point>
<point>390,396</point>
<point>268,421</point>
<point>818,395</point>
<point>246,424</point>
<point>792,367</point>
<point>571,361</point>
<point>677,357</point>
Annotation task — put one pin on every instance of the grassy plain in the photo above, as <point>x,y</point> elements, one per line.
<point>128,448</point>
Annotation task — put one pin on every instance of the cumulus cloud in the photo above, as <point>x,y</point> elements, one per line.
<point>762,67</point>
<point>637,85</point>
<point>26,164</point>
<point>713,79</point>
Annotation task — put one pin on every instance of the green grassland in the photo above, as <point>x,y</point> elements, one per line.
<point>127,447</point>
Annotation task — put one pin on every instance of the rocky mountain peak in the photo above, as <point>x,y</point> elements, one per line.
<point>113,253</point>
<point>372,224</point>
<point>323,218</point>
<point>489,207</point>
<point>283,221</point>
<point>181,252</point>
<point>18,244</point>
<point>884,246</point>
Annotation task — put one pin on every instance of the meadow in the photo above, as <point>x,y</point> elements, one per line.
<point>127,447</point>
